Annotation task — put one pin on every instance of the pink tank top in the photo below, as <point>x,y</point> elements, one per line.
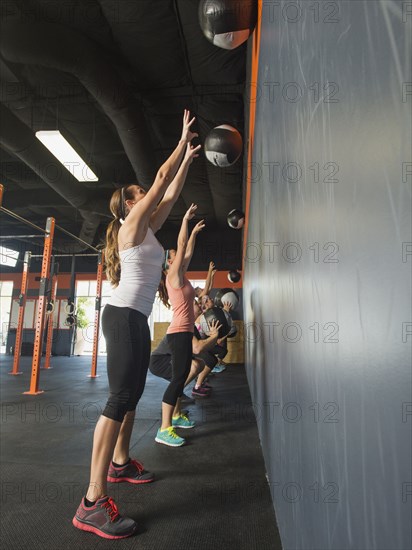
<point>182,304</point>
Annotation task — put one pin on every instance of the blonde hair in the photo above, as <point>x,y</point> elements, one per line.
<point>119,210</point>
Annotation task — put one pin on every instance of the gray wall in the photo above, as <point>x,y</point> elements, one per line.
<point>331,399</point>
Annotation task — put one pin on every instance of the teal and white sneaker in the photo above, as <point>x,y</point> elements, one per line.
<point>219,368</point>
<point>182,421</point>
<point>169,437</point>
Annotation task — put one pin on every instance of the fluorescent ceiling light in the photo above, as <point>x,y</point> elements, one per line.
<point>64,152</point>
<point>8,256</point>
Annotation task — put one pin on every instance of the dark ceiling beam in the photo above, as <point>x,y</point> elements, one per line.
<point>43,197</point>
<point>12,93</point>
<point>16,92</point>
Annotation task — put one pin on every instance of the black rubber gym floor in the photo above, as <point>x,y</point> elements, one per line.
<point>210,494</point>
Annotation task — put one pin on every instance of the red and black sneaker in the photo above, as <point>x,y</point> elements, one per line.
<point>133,472</point>
<point>200,392</point>
<point>103,519</point>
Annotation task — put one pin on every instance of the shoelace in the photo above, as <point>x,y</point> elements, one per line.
<point>172,433</point>
<point>111,508</point>
<point>184,417</point>
<point>138,465</point>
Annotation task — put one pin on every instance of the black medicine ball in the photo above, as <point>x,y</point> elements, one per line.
<point>216,313</point>
<point>223,146</point>
<point>233,276</point>
<point>236,219</point>
<point>228,23</point>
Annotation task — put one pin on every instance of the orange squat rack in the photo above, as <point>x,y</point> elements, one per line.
<point>41,308</point>
<point>22,307</point>
<point>50,314</point>
<point>96,336</point>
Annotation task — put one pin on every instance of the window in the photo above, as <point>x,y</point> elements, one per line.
<point>6,288</point>
<point>6,292</point>
<point>198,282</point>
<point>85,302</point>
<point>8,256</point>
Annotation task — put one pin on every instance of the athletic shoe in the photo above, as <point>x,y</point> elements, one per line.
<point>206,386</point>
<point>218,368</point>
<point>169,437</point>
<point>182,421</point>
<point>133,472</point>
<point>200,392</point>
<point>103,519</point>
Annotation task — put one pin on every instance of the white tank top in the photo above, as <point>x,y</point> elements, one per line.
<point>140,273</point>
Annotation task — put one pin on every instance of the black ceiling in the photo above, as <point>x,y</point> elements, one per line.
<point>114,77</point>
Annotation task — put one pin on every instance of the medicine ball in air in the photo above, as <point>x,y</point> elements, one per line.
<point>228,23</point>
<point>223,146</point>
<point>234,276</point>
<point>236,219</point>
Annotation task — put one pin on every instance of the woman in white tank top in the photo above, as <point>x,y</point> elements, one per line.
<point>134,259</point>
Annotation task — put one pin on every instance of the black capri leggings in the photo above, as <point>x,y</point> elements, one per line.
<point>180,344</point>
<point>210,356</point>
<point>128,354</point>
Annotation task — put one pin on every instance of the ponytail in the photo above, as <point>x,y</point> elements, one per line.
<point>112,259</point>
<point>119,211</point>
<point>162,290</point>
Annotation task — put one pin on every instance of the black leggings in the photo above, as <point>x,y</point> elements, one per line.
<point>128,354</point>
<point>181,347</point>
<point>210,356</point>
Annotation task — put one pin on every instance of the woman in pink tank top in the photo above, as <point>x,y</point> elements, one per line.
<point>179,291</point>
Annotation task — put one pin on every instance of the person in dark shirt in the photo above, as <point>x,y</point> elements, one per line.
<point>213,357</point>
